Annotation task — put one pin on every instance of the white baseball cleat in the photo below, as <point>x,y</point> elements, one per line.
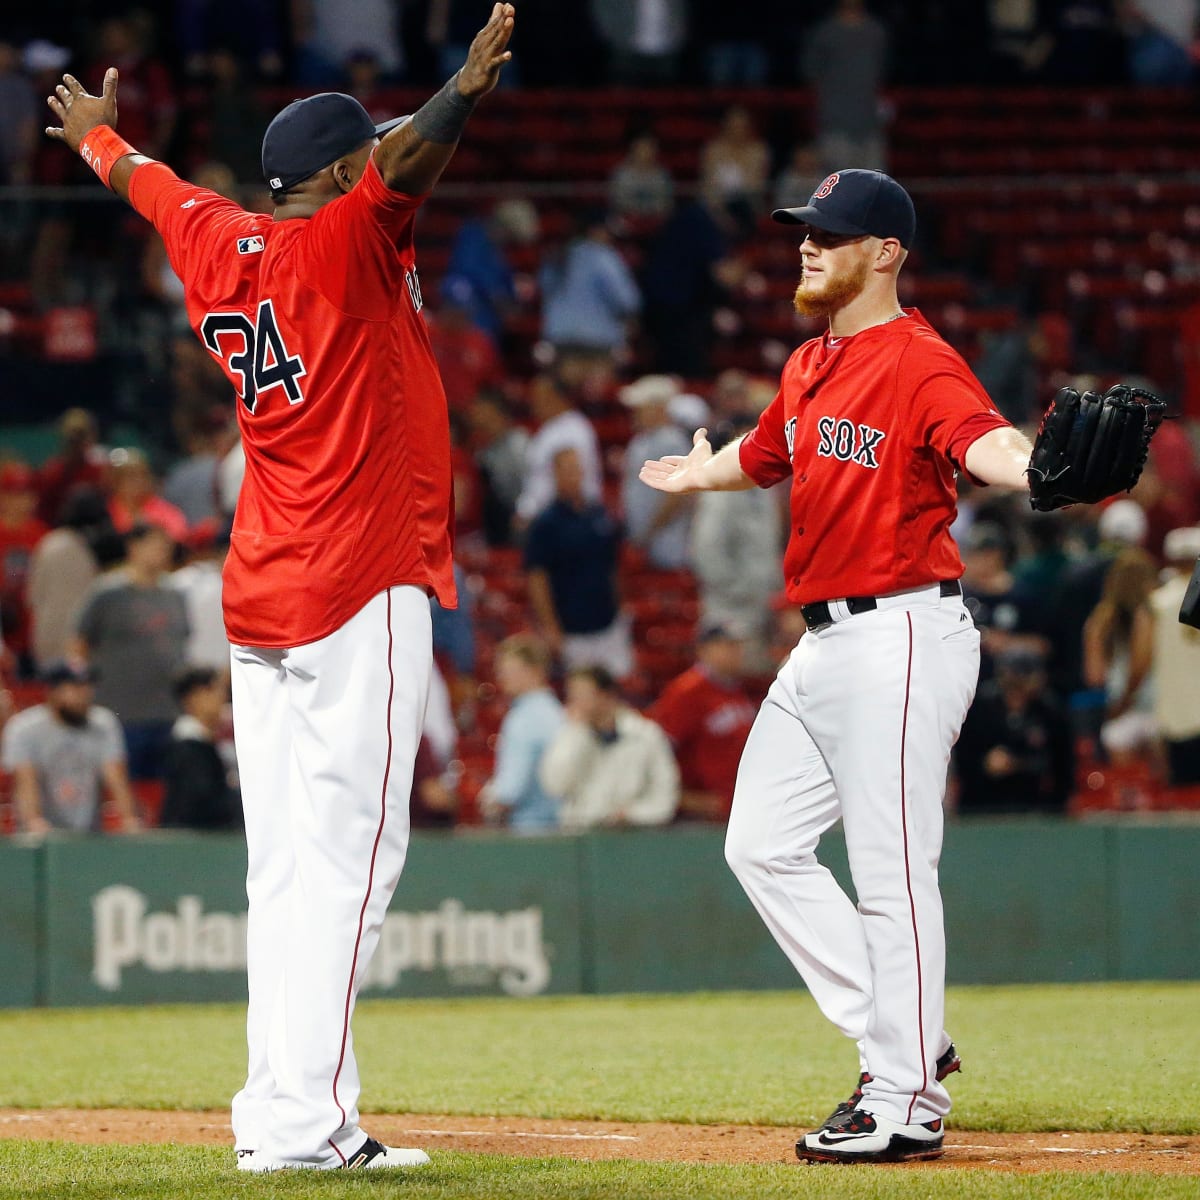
<point>860,1136</point>
<point>370,1156</point>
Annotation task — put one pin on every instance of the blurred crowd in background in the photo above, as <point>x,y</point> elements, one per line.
<point>610,286</point>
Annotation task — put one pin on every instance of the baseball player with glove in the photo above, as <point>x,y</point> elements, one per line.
<point>342,531</point>
<point>872,422</point>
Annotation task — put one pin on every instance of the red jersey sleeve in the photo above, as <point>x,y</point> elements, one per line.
<point>189,218</point>
<point>764,451</point>
<point>358,250</point>
<point>950,409</point>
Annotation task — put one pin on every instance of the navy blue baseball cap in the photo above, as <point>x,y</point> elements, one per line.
<point>310,134</point>
<point>857,203</point>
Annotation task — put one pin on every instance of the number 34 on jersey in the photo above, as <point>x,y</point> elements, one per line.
<point>255,354</point>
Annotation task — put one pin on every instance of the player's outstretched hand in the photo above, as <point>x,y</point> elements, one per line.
<point>80,112</point>
<point>487,55</point>
<point>675,472</point>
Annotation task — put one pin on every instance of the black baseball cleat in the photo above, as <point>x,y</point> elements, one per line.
<point>946,1065</point>
<point>858,1136</point>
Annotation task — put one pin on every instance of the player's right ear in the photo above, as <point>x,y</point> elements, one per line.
<point>343,175</point>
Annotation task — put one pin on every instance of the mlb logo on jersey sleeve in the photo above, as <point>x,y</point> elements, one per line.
<point>250,245</point>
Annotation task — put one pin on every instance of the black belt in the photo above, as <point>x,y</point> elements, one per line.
<point>816,616</point>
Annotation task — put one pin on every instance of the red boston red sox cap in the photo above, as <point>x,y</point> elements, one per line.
<point>310,134</point>
<point>857,203</point>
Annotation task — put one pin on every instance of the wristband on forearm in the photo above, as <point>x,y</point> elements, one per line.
<point>101,147</point>
<point>443,117</point>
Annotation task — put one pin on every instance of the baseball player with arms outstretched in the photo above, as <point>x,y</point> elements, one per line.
<point>342,531</point>
<point>872,421</point>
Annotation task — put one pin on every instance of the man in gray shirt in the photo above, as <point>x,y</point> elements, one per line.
<point>60,753</point>
<point>133,630</point>
<point>845,58</point>
<point>657,522</point>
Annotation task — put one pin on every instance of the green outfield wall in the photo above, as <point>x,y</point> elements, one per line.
<point>161,918</point>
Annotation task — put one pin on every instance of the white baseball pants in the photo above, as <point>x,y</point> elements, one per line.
<point>859,724</point>
<point>326,738</point>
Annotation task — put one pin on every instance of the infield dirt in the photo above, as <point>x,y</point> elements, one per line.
<point>600,1140</point>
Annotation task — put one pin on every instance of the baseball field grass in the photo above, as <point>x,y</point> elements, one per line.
<point>1081,1057</point>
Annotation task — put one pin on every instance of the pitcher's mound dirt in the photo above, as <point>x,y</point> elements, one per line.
<point>595,1140</point>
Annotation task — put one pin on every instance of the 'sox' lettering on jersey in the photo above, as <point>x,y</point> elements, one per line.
<point>262,362</point>
<point>847,442</point>
<point>789,434</point>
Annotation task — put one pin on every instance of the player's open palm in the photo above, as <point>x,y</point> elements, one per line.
<point>488,53</point>
<point>677,472</point>
<point>81,112</point>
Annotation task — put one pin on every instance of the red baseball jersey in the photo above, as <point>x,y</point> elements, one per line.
<point>708,723</point>
<point>317,323</point>
<point>872,429</point>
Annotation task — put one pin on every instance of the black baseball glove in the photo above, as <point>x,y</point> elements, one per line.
<point>1091,446</point>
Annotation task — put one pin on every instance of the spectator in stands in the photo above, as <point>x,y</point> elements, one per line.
<point>191,483</point>
<point>450,27</point>
<point>559,427</point>
<point>62,753</point>
<point>480,257</point>
<point>433,803</point>
<point>845,60</point>
<point>689,267</point>
<point>737,554</point>
<point>589,298</point>
<point>199,794</point>
<point>237,117</point>
<point>514,795</point>
<point>1122,524</point>
<point>645,38</point>
<point>571,560</point>
<point>640,185</point>
<point>1118,652</point>
<point>735,164</point>
<point>133,630</point>
<point>1088,48</point>
<point>19,130</point>
<point>1006,616</point>
<point>63,566</point>
<point>1176,662</point>
<point>198,581</point>
<point>20,533</point>
<point>1015,751</point>
<point>79,462</point>
<point>249,29</point>
<point>707,716</point>
<point>467,357</point>
<point>327,32</point>
<point>734,51</point>
<point>454,646</point>
<point>1161,42</point>
<point>135,498</point>
<point>608,765</point>
<point>798,180</point>
<point>657,522</point>
<point>501,452</point>
<point>149,109</point>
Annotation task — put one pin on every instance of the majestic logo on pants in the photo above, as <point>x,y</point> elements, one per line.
<point>848,442</point>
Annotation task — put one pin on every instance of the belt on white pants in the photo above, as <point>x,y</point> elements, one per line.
<point>828,612</point>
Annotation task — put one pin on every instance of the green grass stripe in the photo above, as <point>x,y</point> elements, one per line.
<point>51,1170</point>
<point>1082,1057</point>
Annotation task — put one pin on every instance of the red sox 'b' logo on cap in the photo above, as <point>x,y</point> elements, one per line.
<point>827,187</point>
